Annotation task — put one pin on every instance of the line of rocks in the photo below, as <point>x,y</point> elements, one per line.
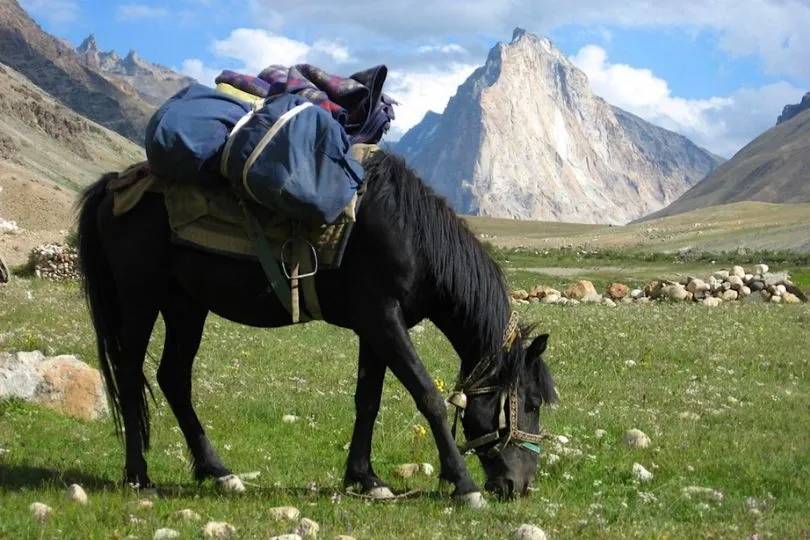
<point>56,262</point>
<point>734,284</point>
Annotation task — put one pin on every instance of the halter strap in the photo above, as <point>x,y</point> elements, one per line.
<point>469,387</point>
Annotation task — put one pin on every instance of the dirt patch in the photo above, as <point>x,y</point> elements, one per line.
<point>41,210</point>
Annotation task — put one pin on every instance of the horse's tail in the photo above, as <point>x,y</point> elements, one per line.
<point>99,290</point>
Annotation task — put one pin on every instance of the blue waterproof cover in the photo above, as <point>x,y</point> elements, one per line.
<point>293,157</point>
<point>189,129</point>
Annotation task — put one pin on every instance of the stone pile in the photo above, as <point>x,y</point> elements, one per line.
<point>57,262</point>
<point>760,285</point>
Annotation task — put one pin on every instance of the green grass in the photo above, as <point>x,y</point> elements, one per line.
<point>742,369</point>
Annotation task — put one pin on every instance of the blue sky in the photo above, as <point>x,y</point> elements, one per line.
<point>718,71</point>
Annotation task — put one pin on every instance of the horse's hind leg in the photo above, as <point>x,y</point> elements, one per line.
<point>138,320</point>
<point>370,376</point>
<point>185,320</point>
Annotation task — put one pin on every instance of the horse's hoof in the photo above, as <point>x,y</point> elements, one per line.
<point>381,493</point>
<point>231,483</point>
<point>472,500</point>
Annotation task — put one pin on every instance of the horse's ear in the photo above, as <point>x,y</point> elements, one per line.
<point>537,347</point>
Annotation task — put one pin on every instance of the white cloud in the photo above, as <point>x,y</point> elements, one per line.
<point>55,11</point>
<point>448,48</point>
<point>721,124</point>
<point>335,50</point>
<point>256,49</point>
<point>193,67</point>
<point>774,31</point>
<point>139,12</point>
<point>420,91</point>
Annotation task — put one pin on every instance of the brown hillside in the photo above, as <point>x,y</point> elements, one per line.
<point>774,167</point>
<point>47,151</point>
<point>56,68</point>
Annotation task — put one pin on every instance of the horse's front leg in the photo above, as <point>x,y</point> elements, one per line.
<point>367,395</point>
<point>386,333</point>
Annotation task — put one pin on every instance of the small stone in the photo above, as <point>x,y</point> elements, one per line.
<point>617,291</point>
<point>790,298</point>
<point>761,269</point>
<point>308,528</point>
<point>287,537</point>
<point>776,299</point>
<point>280,513</point>
<point>145,504</point>
<point>697,286</point>
<point>608,302</point>
<point>406,470</point>
<point>702,492</point>
<point>426,469</point>
<point>163,534</point>
<point>591,298</point>
<point>748,278</point>
<point>186,514</point>
<point>781,290</point>
<point>636,438</point>
<point>529,532</point>
<point>289,418</point>
<point>725,286</point>
<point>40,511</point>
<point>757,285</point>
<point>736,282</point>
<point>551,299</point>
<point>737,271</point>
<point>218,529</point>
<point>76,493</point>
<point>730,295</point>
<point>745,291</point>
<point>675,292</point>
<point>599,433</point>
<point>641,474</point>
<point>721,274</point>
<point>562,439</point>
<point>635,294</point>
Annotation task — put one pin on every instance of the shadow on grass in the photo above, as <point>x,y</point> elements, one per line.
<point>26,478</point>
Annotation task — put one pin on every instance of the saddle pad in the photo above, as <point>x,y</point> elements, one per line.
<point>211,218</point>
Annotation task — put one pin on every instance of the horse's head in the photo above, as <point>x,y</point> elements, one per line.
<point>501,418</point>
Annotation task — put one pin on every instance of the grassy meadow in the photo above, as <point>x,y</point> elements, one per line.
<point>721,392</point>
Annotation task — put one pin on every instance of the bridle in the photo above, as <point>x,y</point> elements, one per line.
<point>472,386</point>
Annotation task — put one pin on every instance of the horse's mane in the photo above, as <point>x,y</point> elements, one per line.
<point>462,267</point>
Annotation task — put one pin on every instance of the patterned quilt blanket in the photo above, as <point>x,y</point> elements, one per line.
<point>357,101</point>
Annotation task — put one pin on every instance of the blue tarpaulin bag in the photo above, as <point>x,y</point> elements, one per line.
<point>290,155</point>
<point>190,129</point>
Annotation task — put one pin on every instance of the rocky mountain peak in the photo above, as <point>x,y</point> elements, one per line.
<point>793,110</point>
<point>525,137</point>
<point>88,45</point>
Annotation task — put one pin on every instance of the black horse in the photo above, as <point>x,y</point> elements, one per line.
<point>409,257</point>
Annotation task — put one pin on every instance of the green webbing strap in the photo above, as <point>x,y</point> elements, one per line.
<point>269,263</point>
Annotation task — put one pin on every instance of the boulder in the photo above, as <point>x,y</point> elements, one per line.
<point>580,290</point>
<point>64,383</point>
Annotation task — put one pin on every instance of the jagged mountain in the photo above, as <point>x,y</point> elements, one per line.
<point>774,168</point>
<point>792,110</point>
<point>154,82</point>
<point>55,67</point>
<point>525,137</point>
